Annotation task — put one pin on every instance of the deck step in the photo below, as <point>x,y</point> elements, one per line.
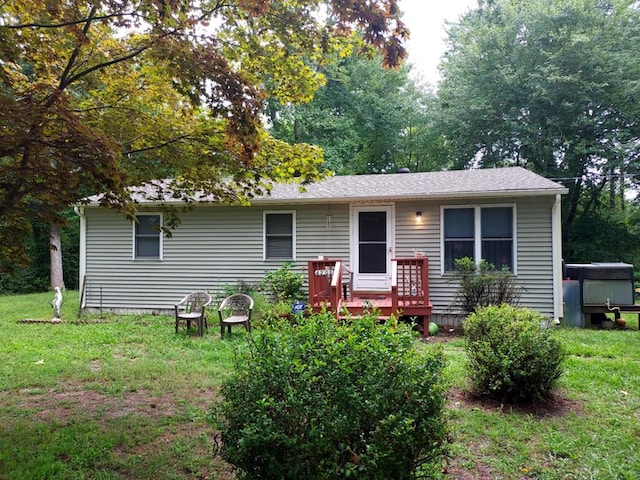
<point>382,318</point>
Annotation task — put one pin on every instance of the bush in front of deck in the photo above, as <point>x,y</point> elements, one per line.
<point>284,284</point>
<point>510,356</point>
<point>329,400</point>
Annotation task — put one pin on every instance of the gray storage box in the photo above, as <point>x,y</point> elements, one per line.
<point>603,283</point>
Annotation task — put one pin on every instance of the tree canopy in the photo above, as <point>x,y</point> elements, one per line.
<point>552,85</point>
<point>366,118</point>
<point>96,96</point>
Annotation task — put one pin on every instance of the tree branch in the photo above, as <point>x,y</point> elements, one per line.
<point>100,66</point>
<point>157,147</point>
<point>76,51</point>
<point>71,22</point>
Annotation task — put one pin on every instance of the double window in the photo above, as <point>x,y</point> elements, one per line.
<point>279,235</point>
<point>479,233</point>
<point>147,237</point>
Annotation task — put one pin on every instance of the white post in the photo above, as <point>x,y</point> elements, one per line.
<point>556,233</point>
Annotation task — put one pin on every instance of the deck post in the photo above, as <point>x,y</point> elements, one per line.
<point>325,283</point>
<point>411,295</point>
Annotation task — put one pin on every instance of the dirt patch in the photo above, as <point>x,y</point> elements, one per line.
<point>478,472</point>
<point>445,334</point>
<point>67,401</point>
<point>61,406</point>
<point>556,405</point>
<point>172,412</point>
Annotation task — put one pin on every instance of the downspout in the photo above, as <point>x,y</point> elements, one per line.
<point>556,242</point>
<point>83,251</point>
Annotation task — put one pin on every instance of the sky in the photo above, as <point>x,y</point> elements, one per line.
<point>426,21</point>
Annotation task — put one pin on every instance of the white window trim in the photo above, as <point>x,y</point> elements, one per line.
<point>477,234</point>
<point>264,235</point>
<point>133,241</point>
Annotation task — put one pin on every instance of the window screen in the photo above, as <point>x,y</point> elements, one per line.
<point>497,236</point>
<point>372,242</point>
<point>496,241</point>
<point>279,235</point>
<point>147,236</point>
<point>459,228</point>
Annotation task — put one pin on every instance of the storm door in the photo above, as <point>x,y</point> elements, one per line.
<point>372,247</point>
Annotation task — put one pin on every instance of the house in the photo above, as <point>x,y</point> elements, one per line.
<point>508,216</point>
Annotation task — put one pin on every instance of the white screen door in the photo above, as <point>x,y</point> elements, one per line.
<point>372,247</point>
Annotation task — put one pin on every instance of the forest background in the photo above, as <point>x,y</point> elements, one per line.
<point>550,85</point>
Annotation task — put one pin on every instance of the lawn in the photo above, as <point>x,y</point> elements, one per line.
<point>126,398</point>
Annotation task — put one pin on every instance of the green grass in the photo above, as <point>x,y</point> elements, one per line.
<point>590,430</point>
<point>123,397</point>
<point>127,398</point>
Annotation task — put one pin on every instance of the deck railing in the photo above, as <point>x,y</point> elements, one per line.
<point>410,284</point>
<point>325,283</point>
<point>409,287</point>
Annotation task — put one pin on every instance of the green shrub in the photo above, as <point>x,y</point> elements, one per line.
<point>482,285</point>
<point>510,356</point>
<point>283,284</point>
<point>241,286</point>
<point>323,400</point>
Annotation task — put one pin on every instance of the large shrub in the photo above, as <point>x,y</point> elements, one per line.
<point>481,285</point>
<point>510,356</point>
<point>323,400</point>
<point>283,284</point>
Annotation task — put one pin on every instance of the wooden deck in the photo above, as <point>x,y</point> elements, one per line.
<point>360,302</point>
<point>409,296</point>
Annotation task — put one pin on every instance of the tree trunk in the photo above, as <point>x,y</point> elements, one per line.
<point>57,277</point>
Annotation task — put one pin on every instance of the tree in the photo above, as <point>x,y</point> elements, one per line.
<point>366,118</point>
<point>97,96</point>
<point>549,85</point>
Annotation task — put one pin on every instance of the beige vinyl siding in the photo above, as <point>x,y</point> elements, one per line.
<point>316,236</point>
<point>212,247</point>
<point>533,254</point>
<point>215,246</point>
<point>423,236</point>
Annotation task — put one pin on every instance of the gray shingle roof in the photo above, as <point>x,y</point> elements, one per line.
<point>510,181</point>
<point>478,183</point>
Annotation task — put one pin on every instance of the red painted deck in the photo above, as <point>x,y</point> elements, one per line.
<point>409,293</point>
<point>359,302</point>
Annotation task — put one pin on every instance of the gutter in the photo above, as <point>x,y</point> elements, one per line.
<point>372,198</point>
<point>436,196</point>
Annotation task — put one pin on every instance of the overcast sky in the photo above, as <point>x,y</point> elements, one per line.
<point>426,21</point>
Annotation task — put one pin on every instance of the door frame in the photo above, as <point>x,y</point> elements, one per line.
<point>371,282</point>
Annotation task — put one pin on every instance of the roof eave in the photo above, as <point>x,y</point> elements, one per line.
<point>381,198</point>
<point>436,196</point>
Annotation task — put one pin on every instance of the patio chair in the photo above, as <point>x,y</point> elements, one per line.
<point>193,308</point>
<point>235,310</point>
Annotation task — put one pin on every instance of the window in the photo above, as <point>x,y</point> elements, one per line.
<point>279,235</point>
<point>497,236</point>
<point>147,237</point>
<point>479,233</point>
<point>459,228</point>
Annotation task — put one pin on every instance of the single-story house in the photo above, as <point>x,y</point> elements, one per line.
<point>508,216</point>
